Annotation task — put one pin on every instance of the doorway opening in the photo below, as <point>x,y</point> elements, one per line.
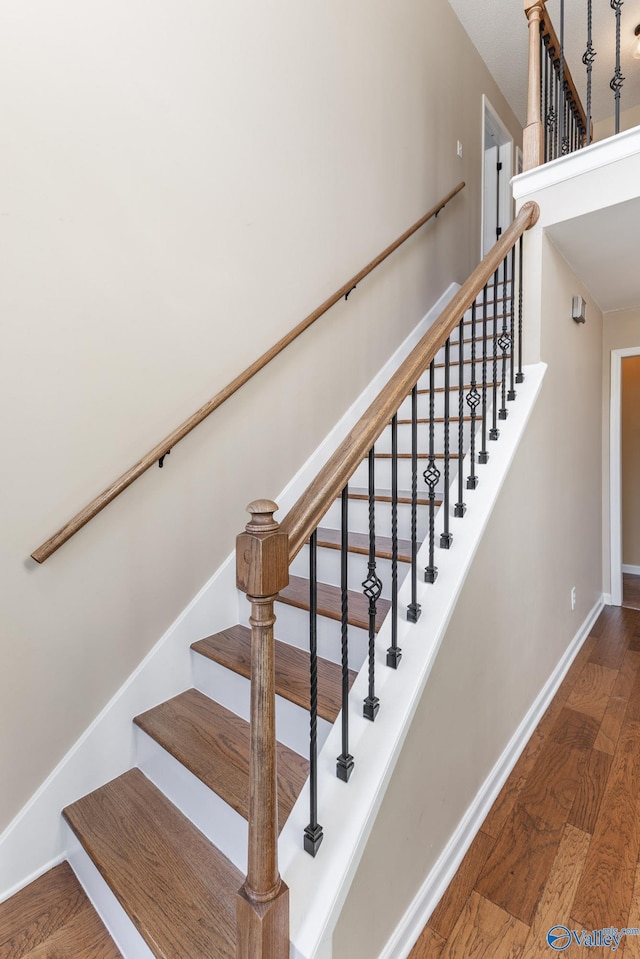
<point>624,471</point>
<point>497,170</point>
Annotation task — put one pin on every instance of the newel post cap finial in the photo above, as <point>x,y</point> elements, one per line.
<point>262,552</point>
<point>262,520</point>
<point>533,5</point>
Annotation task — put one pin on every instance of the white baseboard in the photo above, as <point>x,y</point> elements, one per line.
<point>403,939</point>
<point>606,599</point>
<point>35,841</point>
<point>634,570</point>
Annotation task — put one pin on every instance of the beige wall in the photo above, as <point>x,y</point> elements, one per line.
<point>606,128</point>
<point>621,330</point>
<point>509,630</point>
<point>182,184</point>
<point>630,436</point>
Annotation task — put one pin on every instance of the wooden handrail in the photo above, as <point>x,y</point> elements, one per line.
<point>308,511</point>
<point>153,456</point>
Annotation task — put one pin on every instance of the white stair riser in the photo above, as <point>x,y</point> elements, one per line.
<point>292,627</point>
<point>219,822</point>
<point>359,518</point>
<point>234,692</point>
<point>118,924</point>
<point>329,569</point>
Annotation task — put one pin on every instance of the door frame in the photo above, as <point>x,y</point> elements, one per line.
<point>491,118</point>
<point>615,471</point>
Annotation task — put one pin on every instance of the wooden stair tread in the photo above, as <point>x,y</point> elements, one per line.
<point>330,602</point>
<point>359,543</point>
<point>52,916</point>
<point>213,743</point>
<point>232,649</point>
<point>176,887</point>
<point>384,496</point>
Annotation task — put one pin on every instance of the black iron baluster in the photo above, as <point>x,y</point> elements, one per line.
<point>520,374</point>
<point>588,57</point>
<point>394,653</point>
<point>547,107</point>
<point>512,314</point>
<point>562,110</point>
<point>473,398</point>
<point>372,587</point>
<point>617,80</point>
<point>483,455</point>
<point>446,538</point>
<point>313,834</point>
<point>460,508</point>
<point>431,477</point>
<point>556,102</point>
<point>344,764</point>
<point>494,432</point>
<point>413,609</point>
<point>504,343</point>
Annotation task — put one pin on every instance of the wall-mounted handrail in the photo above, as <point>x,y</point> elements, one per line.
<point>161,449</point>
<point>307,512</point>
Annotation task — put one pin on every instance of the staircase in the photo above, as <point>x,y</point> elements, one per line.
<point>165,843</point>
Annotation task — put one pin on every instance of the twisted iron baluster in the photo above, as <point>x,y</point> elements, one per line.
<point>446,538</point>
<point>504,342</point>
<point>431,477</point>
<point>372,588</point>
<point>617,80</point>
<point>344,764</point>
<point>413,609</point>
<point>520,374</point>
<point>460,508</point>
<point>512,313</point>
<point>473,398</point>
<point>313,834</point>
<point>588,57</point>
<point>394,654</point>
<point>564,143</point>
<point>494,432</point>
<point>483,455</point>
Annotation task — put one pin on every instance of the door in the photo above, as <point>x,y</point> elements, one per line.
<point>497,161</point>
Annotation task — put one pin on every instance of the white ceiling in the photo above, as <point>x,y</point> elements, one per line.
<point>504,50</point>
<point>602,247</point>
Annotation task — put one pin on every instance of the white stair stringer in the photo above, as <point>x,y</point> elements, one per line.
<point>318,886</point>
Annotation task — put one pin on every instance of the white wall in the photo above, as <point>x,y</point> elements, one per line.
<point>510,627</point>
<point>181,184</point>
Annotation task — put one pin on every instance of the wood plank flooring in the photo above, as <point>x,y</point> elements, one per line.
<point>53,919</point>
<point>561,844</point>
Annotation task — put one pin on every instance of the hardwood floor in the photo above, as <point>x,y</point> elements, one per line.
<point>53,919</point>
<point>631,590</point>
<point>561,844</point>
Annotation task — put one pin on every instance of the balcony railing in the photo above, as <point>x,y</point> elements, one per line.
<point>557,121</point>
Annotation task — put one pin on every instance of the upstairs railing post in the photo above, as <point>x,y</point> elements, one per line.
<point>532,137</point>
<point>262,904</point>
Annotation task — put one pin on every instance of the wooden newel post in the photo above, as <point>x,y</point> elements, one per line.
<point>262,905</point>
<point>532,138</point>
